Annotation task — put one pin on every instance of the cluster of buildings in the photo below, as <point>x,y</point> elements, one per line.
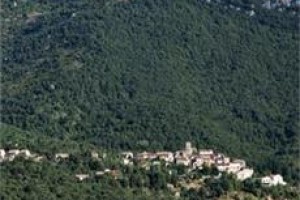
<point>189,157</point>
<point>193,159</point>
<point>196,159</point>
<point>10,155</point>
<point>279,5</point>
<point>272,4</point>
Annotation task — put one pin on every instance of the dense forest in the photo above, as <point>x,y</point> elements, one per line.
<point>150,74</point>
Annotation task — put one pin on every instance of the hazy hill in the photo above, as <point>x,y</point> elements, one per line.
<point>148,74</point>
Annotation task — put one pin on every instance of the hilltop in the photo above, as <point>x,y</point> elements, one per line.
<point>150,74</point>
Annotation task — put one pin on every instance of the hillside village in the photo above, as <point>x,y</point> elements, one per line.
<point>189,157</point>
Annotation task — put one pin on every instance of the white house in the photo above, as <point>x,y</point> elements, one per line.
<point>99,173</point>
<point>94,155</point>
<point>25,152</point>
<point>81,177</point>
<point>127,161</point>
<point>206,152</point>
<point>208,160</point>
<point>234,167</point>
<point>197,162</point>
<point>244,174</point>
<point>11,154</point>
<point>182,161</point>
<point>222,168</point>
<point>61,156</point>
<point>226,160</point>
<point>273,180</point>
<point>38,158</point>
<point>14,152</point>
<point>2,153</point>
<point>146,156</point>
<point>219,161</point>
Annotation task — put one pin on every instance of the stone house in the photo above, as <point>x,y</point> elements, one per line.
<point>273,180</point>
<point>25,152</point>
<point>197,162</point>
<point>183,161</point>
<point>146,156</point>
<point>2,154</point>
<point>61,156</point>
<point>244,174</point>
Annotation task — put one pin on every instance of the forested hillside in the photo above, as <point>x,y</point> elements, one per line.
<point>148,74</point>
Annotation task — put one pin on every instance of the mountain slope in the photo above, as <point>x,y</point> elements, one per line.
<point>152,74</point>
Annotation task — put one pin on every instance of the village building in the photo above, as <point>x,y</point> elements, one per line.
<point>61,156</point>
<point>183,161</point>
<point>38,158</point>
<point>2,154</point>
<point>25,152</point>
<point>222,168</point>
<point>127,161</point>
<point>241,162</point>
<point>166,156</point>
<point>233,167</point>
<point>82,177</point>
<point>207,156</point>
<point>11,154</point>
<point>180,154</point>
<point>127,158</point>
<point>171,187</point>
<point>219,161</point>
<point>273,180</point>
<point>206,152</point>
<point>104,155</point>
<point>208,160</point>
<point>94,155</point>
<point>99,173</point>
<point>188,149</point>
<point>14,152</point>
<point>244,174</point>
<point>226,160</point>
<point>145,156</point>
<point>177,194</point>
<point>197,162</point>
